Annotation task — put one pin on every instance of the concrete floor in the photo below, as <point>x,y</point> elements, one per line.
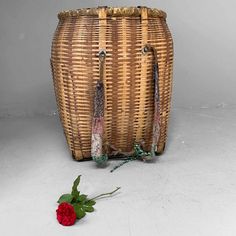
<point>190,190</point>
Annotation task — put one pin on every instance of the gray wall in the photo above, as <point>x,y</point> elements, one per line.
<point>205,51</point>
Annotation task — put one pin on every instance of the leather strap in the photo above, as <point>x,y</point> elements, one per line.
<point>156,116</point>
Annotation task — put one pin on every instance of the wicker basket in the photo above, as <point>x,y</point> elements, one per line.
<point>118,47</point>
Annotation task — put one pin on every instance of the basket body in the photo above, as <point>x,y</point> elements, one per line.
<point>128,83</point>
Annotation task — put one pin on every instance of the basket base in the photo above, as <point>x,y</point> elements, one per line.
<point>77,157</point>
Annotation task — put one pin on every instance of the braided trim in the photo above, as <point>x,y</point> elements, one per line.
<point>112,11</point>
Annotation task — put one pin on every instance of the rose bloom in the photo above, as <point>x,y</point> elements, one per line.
<point>66,214</point>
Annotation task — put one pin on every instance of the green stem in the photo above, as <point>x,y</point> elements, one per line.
<point>105,194</point>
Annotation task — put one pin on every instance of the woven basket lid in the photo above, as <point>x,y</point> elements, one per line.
<point>112,11</point>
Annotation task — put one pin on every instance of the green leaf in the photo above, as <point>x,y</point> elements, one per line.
<point>90,203</point>
<point>88,208</point>
<point>65,198</point>
<point>75,191</point>
<point>82,198</point>
<point>80,212</point>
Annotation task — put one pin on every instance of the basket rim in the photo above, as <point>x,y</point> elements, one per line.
<point>112,11</point>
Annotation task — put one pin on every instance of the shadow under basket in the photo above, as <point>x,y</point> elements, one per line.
<point>112,73</point>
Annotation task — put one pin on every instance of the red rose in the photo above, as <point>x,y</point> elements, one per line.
<point>66,214</point>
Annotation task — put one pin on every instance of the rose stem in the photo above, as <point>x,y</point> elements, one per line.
<point>105,194</point>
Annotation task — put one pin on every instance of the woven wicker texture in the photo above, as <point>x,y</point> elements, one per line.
<point>128,75</point>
